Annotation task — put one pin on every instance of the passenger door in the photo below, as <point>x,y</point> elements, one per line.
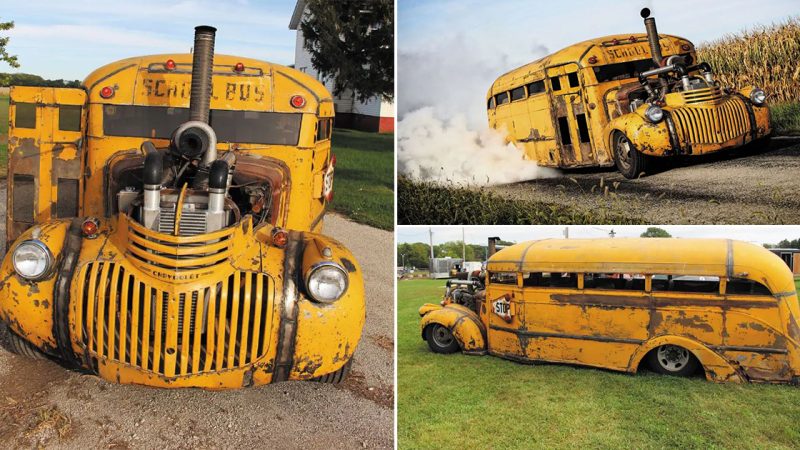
<point>46,126</point>
<point>570,116</point>
<point>505,314</point>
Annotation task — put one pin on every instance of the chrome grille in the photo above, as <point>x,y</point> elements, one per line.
<point>702,95</point>
<point>220,326</point>
<point>712,125</point>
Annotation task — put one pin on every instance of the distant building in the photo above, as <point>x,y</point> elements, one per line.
<point>791,256</point>
<point>374,115</point>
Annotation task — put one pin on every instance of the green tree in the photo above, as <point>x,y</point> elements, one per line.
<point>417,254</point>
<point>655,232</point>
<point>352,41</point>
<point>11,60</point>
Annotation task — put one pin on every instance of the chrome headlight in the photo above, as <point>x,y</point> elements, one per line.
<point>32,260</point>
<point>758,96</point>
<point>654,114</point>
<point>326,282</point>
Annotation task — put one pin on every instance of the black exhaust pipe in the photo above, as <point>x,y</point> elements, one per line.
<point>652,37</point>
<point>202,66</point>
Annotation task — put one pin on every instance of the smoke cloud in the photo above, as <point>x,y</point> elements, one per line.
<point>443,133</point>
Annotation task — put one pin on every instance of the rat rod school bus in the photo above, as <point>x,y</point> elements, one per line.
<point>628,100</point>
<point>157,244</point>
<point>727,307</point>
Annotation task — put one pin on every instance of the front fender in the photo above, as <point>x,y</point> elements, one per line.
<point>27,306</point>
<point>716,367</point>
<point>465,325</point>
<point>649,138</point>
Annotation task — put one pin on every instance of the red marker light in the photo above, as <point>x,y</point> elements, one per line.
<point>593,60</point>
<point>107,92</point>
<point>239,67</point>
<point>686,47</point>
<point>170,64</point>
<point>280,238</point>
<point>298,101</point>
<point>633,38</point>
<point>90,227</point>
<point>615,41</point>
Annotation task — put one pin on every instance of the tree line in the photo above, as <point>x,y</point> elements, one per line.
<point>417,254</point>
<point>27,79</point>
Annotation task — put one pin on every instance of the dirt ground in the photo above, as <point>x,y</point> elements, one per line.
<point>45,405</point>
<point>748,186</point>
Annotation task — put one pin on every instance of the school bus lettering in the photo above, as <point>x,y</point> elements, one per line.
<point>177,252</point>
<point>624,101</point>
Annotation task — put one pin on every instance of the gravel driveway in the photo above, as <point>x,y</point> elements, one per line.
<point>42,404</point>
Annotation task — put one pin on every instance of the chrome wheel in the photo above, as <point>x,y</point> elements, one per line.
<point>673,358</point>
<point>442,336</point>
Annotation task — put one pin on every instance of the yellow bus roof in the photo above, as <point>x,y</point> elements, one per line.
<point>710,257</point>
<point>608,50</point>
<point>127,76</point>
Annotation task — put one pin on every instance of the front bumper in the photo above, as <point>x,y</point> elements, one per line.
<point>233,315</point>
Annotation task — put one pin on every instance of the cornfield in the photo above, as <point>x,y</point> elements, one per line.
<point>767,57</point>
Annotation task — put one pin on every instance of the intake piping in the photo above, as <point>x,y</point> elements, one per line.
<point>151,177</point>
<point>652,36</point>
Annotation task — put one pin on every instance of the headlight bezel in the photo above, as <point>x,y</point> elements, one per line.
<point>49,259</point>
<point>761,92</point>
<point>653,109</point>
<point>314,269</point>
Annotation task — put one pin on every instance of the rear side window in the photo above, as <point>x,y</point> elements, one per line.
<point>694,284</point>
<point>501,98</point>
<point>741,286</point>
<point>518,93</point>
<point>573,79</point>
<point>537,87</point>
<point>490,104</point>
<point>69,118</point>
<point>555,83</point>
<point>550,279</point>
<point>614,281</point>
<point>324,129</point>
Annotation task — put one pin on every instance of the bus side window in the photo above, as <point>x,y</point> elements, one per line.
<point>555,83</point>
<point>537,87</point>
<point>573,79</point>
<point>25,116</point>
<point>741,286</point>
<point>501,98</point>
<point>608,281</point>
<point>69,117</point>
<point>503,278</point>
<point>550,279</point>
<point>686,283</point>
<point>490,104</point>
<point>518,93</point>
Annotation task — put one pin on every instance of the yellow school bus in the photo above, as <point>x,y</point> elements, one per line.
<point>164,225</point>
<point>630,100</point>
<point>725,307</point>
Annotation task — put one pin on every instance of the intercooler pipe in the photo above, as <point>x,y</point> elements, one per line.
<point>217,188</point>
<point>152,176</point>
<point>652,36</point>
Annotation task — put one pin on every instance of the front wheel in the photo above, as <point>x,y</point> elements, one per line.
<point>630,161</point>
<point>18,345</point>
<point>673,360</point>
<point>335,377</point>
<point>440,339</point>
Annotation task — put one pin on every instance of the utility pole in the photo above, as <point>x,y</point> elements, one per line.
<point>430,234</point>
<point>611,234</point>
<point>463,247</point>
<point>566,232</point>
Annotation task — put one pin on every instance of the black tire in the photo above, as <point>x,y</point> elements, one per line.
<point>630,161</point>
<point>335,377</point>
<point>440,339</point>
<point>672,360</point>
<point>19,346</point>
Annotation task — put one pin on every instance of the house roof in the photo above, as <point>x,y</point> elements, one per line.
<point>297,14</point>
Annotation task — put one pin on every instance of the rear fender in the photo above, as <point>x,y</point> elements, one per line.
<point>465,325</point>
<point>716,368</point>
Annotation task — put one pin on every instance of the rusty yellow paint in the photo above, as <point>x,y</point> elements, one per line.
<point>735,337</point>
<point>462,322</point>
<point>531,122</point>
<point>148,283</point>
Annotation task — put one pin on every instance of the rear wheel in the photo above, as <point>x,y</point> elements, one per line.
<point>440,339</point>
<point>673,360</point>
<point>630,161</point>
<point>335,377</point>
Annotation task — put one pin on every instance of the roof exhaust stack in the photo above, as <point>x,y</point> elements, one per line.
<point>652,36</point>
<point>202,66</point>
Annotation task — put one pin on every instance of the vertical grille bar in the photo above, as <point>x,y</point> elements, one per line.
<point>203,298</point>
<point>187,321</point>
<point>112,309</point>
<point>221,324</point>
<point>123,318</point>
<point>210,342</point>
<point>82,306</point>
<point>159,302</point>
<point>245,325</point>
<point>236,297</point>
<point>257,324</point>
<point>101,308</point>
<point>170,337</point>
<point>135,324</point>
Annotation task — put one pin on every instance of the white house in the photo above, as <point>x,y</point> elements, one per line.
<point>374,115</point>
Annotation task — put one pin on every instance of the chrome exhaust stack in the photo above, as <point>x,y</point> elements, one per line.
<point>652,36</point>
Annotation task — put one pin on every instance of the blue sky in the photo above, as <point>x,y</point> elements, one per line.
<point>759,234</point>
<point>450,51</point>
<point>69,39</point>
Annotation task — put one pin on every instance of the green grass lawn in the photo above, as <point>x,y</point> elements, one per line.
<point>363,184</point>
<point>457,401</point>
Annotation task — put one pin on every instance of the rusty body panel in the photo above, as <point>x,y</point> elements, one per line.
<point>564,115</point>
<point>611,302</point>
<point>177,307</point>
